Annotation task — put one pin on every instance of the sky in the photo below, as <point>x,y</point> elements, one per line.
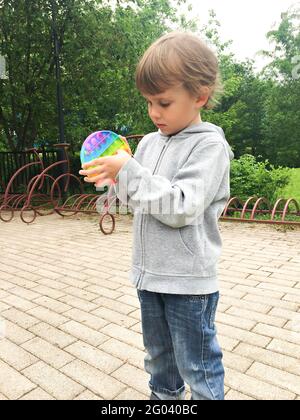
<point>246,22</point>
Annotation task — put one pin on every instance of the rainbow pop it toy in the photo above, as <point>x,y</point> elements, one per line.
<point>101,144</point>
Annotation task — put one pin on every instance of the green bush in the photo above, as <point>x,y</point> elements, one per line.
<point>260,179</point>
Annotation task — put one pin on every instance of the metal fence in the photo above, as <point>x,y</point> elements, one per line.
<point>10,162</point>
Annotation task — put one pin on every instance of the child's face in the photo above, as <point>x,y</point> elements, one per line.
<point>175,109</point>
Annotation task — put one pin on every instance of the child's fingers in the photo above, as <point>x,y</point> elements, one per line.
<point>94,179</point>
<point>95,162</point>
<point>90,172</point>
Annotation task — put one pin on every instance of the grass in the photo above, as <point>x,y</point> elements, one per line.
<point>293,189</point>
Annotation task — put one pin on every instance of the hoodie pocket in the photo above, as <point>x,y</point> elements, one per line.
<point>192,237</point>
<point>166,250</point>
<point>187,244</point>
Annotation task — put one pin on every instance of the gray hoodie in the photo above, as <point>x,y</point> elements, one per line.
<point>177,187</point>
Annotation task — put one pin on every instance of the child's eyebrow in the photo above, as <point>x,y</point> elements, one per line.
<point>166,99</point>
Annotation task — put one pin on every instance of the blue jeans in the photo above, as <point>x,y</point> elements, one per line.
<point>180,339</point>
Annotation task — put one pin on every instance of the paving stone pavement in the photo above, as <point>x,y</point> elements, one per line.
<point>70,320</point>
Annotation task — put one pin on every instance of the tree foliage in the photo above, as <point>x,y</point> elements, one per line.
<point>258,179</point>
<point>99,48</point>
<point>100,45</point>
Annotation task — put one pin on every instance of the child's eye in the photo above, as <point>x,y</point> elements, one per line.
<point>164,105</point>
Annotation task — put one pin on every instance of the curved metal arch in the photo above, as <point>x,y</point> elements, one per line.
<point>28,208</point>
<point>286,207</point>
<point>4,209</point>
<point>230,202</point>
<point>245,208</point>
<point>276,205</point>
<point>60,177</point>
<point>258,202</point>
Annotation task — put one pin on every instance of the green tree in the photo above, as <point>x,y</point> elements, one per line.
<point>281,124</point>
<point>100,45</point>
<point>240,109</point>
<point>28,95</point>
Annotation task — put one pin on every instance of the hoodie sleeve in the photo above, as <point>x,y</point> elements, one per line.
<point>179,202</point>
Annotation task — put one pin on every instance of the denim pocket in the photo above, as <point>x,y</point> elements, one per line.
<point>196,306</point>
<point>213,309</point>
<point>197,298</point>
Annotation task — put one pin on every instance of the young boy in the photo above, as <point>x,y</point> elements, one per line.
<point>177,184</point>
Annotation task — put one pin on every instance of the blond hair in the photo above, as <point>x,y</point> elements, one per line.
<point>179,58</point>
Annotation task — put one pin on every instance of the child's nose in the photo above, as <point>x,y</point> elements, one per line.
<point>154,113</point>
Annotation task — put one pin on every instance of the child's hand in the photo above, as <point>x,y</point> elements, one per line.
<point>104,169</point>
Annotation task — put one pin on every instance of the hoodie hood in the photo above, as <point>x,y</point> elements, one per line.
<point>202,128</point>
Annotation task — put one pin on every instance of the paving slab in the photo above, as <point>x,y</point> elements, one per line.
<point>70,321</point>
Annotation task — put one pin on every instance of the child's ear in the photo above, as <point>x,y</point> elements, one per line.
<point>203,97</point>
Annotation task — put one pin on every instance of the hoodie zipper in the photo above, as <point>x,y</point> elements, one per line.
<point>160,158</point>
<point>143,220</point>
